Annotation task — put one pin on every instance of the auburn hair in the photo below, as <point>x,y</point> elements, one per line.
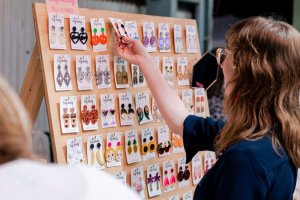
<point>15,126</point>
<point>265,93</point>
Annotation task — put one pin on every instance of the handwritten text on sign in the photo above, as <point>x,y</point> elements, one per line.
<point>66,7</point>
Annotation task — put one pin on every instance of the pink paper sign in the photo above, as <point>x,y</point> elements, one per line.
<point>66,7</point>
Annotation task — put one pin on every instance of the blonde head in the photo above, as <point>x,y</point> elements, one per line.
<point>15,126</point>
<point>264,98</point>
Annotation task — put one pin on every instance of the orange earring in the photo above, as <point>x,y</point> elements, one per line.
<point>102,37</point>
<point>95,37</point>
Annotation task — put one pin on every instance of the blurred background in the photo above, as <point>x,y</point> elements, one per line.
<point>213,17</point>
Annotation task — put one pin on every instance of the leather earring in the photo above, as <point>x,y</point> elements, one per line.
<point>98,156</point>
<point>151,145</point>
<point>67,77</point>
<point>144,147</point>
<point>74,35</point>
<point>83,36</point>
<point>95,37</point>
<point>59,77</point>
<point>66,117</point>
<point>119,75</point>
<point>73,117</point>
<point>146,112</point>
<point>134,78</point>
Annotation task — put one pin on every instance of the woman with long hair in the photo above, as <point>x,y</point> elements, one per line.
<point>258,147</point>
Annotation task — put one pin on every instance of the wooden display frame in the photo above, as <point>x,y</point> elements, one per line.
<point>39,82</point>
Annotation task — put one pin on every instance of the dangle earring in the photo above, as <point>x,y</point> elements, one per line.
<point>94,114</point>
<point>102,37</point>
<point>119,75</point>
<point>141,77</point>
<point>99,79</point>
<point>80,75</point>
<point>151,145</point>
<point>167,41</point>
<point>52,35</point>
<point>144,147</point>
<point>146,39</point>
<point>185,73</point>
<point>166,76</point>
<point>73,117</point>
<point>62,36</point>
<point>171,76</point>
<point>134,78</point>
<point>186,173</point>
<point>118,152</point>
<point>179,73</point>
<point>95,37</point>
<point>161,41</point>
<point>74,35</point>
<point>59,77</point>
<point>106,76</point>
<point>83,36</point>
<point>140,114</point>
<point>88,74</point>
<point>150,182</point>
<point>166,181</point>
<point>146,112</point>
<point>152,39</point>
<point>123,111</point>
<point>109,153</point>
<point>130,109</point>
<point>180,174</point>
<point>112,112</point>
<point>168,146</point>
<point>98,155</point>
<point>85,115</point>
<point>124,75</point>
<point>66,118</point>
<point>67,77</point>
<point>135,147</point>
<point>135,36</point>
<point>129,148</point>
<point>172,179</point>
<point>92,154</point>
<point>157,180</point>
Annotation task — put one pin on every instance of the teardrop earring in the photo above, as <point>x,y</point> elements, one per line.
<point>92,154</point>
<point>146,39</point>
<point>152,39</point>
<point>167,41</point>
<point>161,41</point>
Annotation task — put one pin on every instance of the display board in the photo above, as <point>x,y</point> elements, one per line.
<point>106,125</point>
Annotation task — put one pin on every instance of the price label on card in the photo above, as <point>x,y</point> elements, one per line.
<point>66,7</point>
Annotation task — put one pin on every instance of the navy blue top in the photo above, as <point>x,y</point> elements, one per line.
<point>247,170</point>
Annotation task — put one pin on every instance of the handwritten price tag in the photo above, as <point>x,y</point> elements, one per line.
<point>66,7</point>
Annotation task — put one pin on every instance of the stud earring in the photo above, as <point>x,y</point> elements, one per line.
<point>95,37</point>
<point>67,77</point>
<point>180,175</point>
<point>146,40</point>
<point>59,77</point>
<point>88,74</point>
<point>102,37</point>
<point>109,153</point>
<point>152,39</point>
<point>74,35</point>
<point>52,35</point>
<point>186,173</point>
<point>118,152</point>
<point>92,154</point>
<point>66,117</point>
<point>129,148</point>
<point>98,156</point>
<point>144,147</point>
<point>140,114</point>
<point>80,75</point>
<point>161,41</point>
<point>83,36</point>
<point>62,36</point>
<point>151,145</point>
<point>73,117</point>
<point>146,112</point>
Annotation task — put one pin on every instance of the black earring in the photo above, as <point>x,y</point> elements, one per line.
<point>130,110</point>
<point>186,174</point>
<point>140,114</point>
<point>74,35</point>
<point>83,36</point>
<point>180,175</point>
<point>123,110</point>
<point>146,111</point>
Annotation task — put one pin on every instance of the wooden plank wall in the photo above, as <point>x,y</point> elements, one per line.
<point>17,39</point>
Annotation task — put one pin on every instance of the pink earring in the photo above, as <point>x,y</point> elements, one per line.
<point>166,181</point>
<point>199,172</point>
<point>172,179</point>
<point>195,172</point>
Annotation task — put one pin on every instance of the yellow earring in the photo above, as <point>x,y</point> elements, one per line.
<point>151,145</point>
<point>109,154</point>
<point>118,152</point>
<point>144,147</point>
